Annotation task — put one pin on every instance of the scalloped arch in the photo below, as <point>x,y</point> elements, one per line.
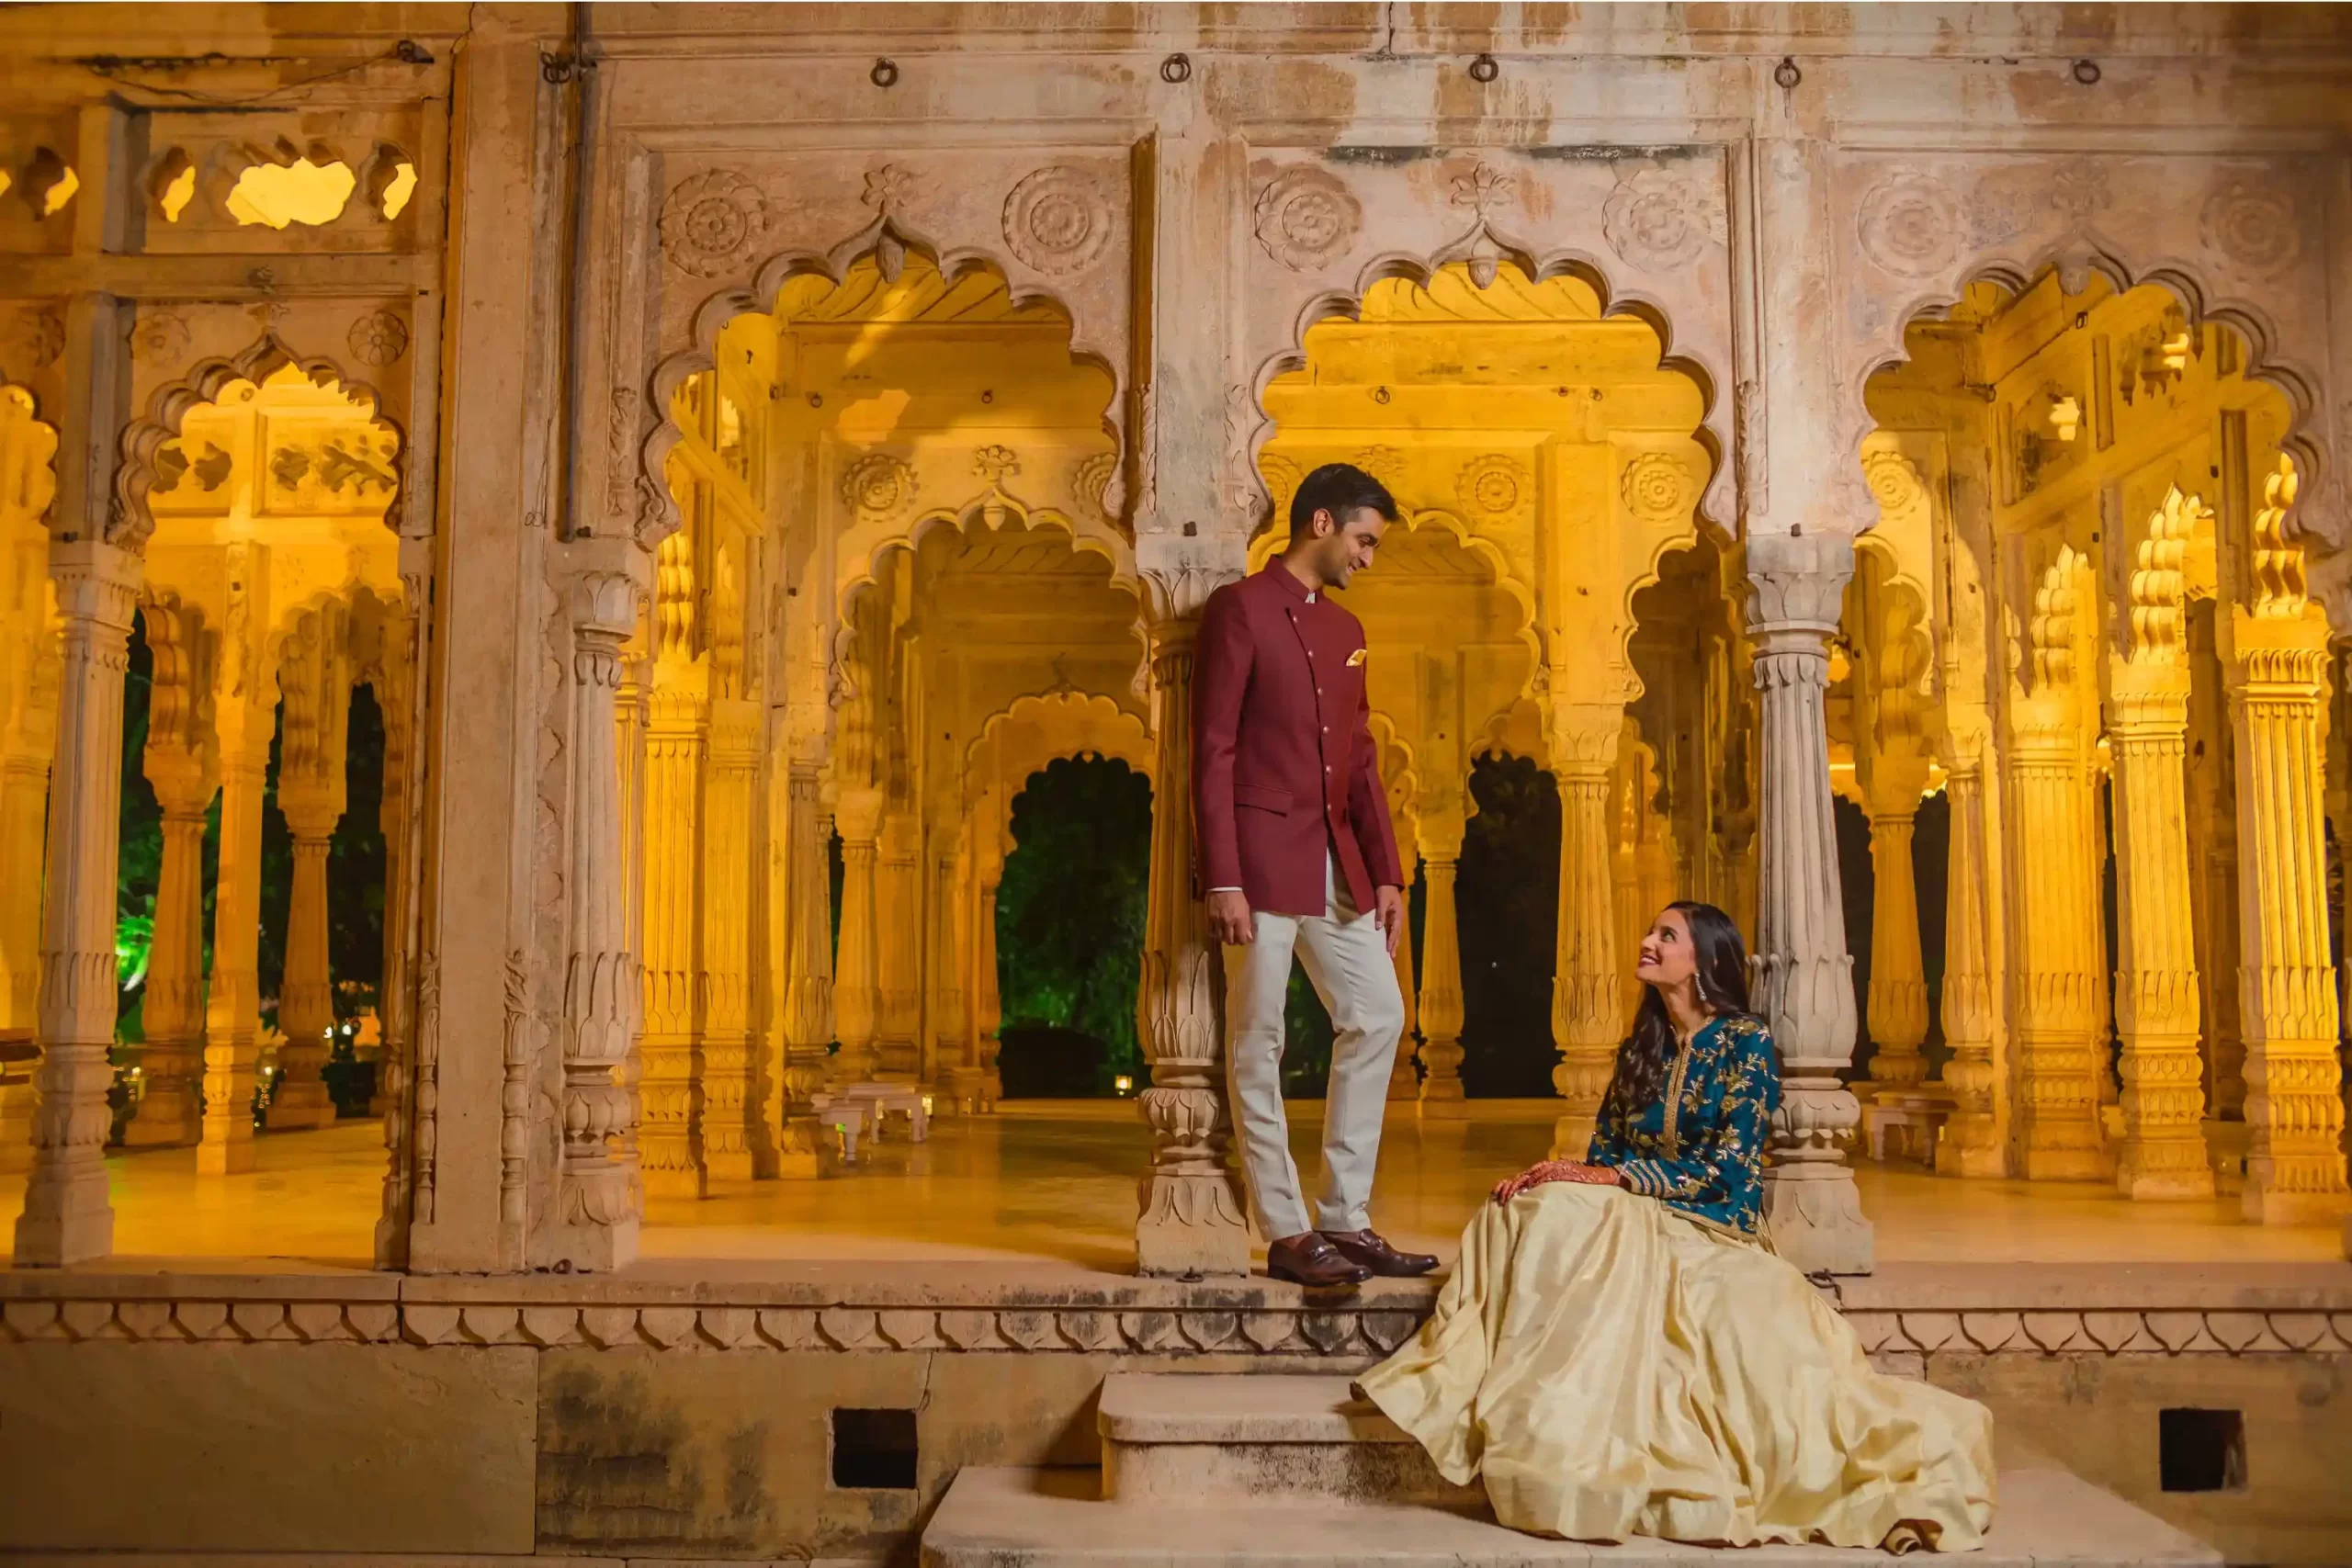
<point>1065,724</point>
<point>37,474</point>
<point>2074,259</point>
<point>1565,261</point>
<point>129,522</point>
<point>865,546</point>
<point>768,278</point>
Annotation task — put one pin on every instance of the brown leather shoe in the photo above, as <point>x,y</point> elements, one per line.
<point>1308,1260</point>
<point>1369,1252</point>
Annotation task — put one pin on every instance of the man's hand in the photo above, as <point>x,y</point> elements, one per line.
<point>1229,919</point>
<point>1388,909</point>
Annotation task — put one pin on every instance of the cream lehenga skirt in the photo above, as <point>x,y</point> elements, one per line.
<point>1611,1368</point>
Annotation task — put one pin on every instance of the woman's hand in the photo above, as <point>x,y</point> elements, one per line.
<point>1511,1187</point>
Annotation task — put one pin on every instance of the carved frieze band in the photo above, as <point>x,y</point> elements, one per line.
<point>1275,1331</point>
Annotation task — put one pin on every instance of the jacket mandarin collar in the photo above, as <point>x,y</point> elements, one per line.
<point>1290,584</point>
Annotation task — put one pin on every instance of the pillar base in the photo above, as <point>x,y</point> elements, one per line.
<point>597,1249</point>
<point>233,1158</point>
<point>730,1165</point>
<point>1971,1161</point>
<point>15,1127</point>
<point>1816,1220</point>
<point>2268,1206</point>
<point>1572,1137</point>
<point>299,1108</point>
<point>83,1231</point>
<point>1192,1225</point>
<point>1443,1108</point>
<point>2173,1170</point>
<point>2066,1165</point>
<point>166,1118</point>
<point>694,1182</point>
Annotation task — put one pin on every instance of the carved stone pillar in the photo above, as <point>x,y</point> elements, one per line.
<point>2164,1151</point>
<point>857,978</point>
<point>1804,986</point>
<point>2061,957</point>
<point>66,1218</point>
<point>958,1076</point>
<point>670,1127</point>
<point>1630,922</point>
<point>28,740</point>
<point>314,677</point>
<point>988,1006</point>
<point>1898,994</point>
<point>178,763</point>
<point>244,714</point>
<point>399,998</point>
<point>1404,1083</point>
<point>898,929</point>
<point>2295,1105</point>
<point>599,1198</point>
<point>1588,991</point>
<point>734,1134</point>
<point>807,972</point>
<point>1971,1145</point>
<point>1441,991</point>
<point>1191,1219</point>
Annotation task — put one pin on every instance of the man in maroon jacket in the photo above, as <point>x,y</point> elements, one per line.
<point>1297,855</point>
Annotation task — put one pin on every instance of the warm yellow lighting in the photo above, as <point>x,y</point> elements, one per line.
<point>926,1105</point>
<point>396,193</point>
<point>6,179</point>
<point>1122,1083</point>
<point>177,193</point>
<point>60,193</point>
<point>301,192</point>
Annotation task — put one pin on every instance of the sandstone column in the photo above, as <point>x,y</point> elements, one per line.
<point>807,971</point>
<point>2156,993</point>
<point>1404,1083</point>
<point>599,1201</point>
<point>178,763</point>
<point>66,1217</point>
<point>315,680</point>
<point>897,925</point>
<point>1192,1214</point>
<point>2294,1104</point>
<point>1588,991</point>
<point>244,714</point>
<point>1804,986</point>
<point>988,1007</point>
<point>1898,991</point>
<point>2062,959</point>
<point>1971,1145</point>
<point>28,740</point>
<point>734,1133</point>
<point>857,980</point>
<point>960,1077</point>
<point>1441,992</point>
<point>670,1128</point>
<point>393,695</point>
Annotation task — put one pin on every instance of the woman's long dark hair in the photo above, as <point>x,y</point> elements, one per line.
<point>1722,975</point>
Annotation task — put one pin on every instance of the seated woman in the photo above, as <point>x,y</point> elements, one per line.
<point>1619,1352</point>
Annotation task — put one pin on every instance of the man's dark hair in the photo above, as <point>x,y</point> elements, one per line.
<point>1339,488</point>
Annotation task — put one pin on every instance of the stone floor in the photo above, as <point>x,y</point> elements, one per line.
<point>1053,1182</point>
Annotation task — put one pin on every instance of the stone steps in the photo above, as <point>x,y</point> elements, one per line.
<point>1278,1471</point>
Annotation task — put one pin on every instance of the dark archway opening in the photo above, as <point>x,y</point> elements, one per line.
<point>1070,923</point>
<point>1506,901</point>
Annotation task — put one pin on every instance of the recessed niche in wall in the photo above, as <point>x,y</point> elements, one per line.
<point>874,1449</point>
<point>2201,1451</point>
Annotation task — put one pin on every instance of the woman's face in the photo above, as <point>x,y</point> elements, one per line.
<point>1667,960</point>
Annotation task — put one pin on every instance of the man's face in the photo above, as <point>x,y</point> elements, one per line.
<point>1346,547</point>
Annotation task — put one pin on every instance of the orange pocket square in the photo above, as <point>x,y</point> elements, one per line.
<point>1357,657</point>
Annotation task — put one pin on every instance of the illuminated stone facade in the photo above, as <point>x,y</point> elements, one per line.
<point>714,434</point>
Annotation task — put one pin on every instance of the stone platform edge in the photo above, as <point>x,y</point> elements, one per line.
<point>2173,1310</point>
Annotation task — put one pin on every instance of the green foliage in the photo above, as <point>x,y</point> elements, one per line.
<point>1069,913</point>
<point>142,844</point>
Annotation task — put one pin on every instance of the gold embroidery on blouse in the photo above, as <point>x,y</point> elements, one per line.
<point>1670,1145</point>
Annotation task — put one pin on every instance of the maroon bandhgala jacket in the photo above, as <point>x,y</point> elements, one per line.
<point>1283,767</point>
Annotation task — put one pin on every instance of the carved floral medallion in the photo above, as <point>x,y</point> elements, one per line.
<point>1307,217</point>
<point>1657,487</point>
<point>2253,225</point>
<point>1893,483</point>
<point>36,336</point>
<point>877,485</point>
<point>1057,220</point>
<point>713,223</point>
<point>1494,486</point>
<point>160,337</point>
<point>378,339</point>
<point>1909,225</point>
<point>1662,219</point>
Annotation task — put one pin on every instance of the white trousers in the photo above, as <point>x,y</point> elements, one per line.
<point>1346,956</point>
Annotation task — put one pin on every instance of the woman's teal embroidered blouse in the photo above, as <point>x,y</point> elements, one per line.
<point>1699,1146</point>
